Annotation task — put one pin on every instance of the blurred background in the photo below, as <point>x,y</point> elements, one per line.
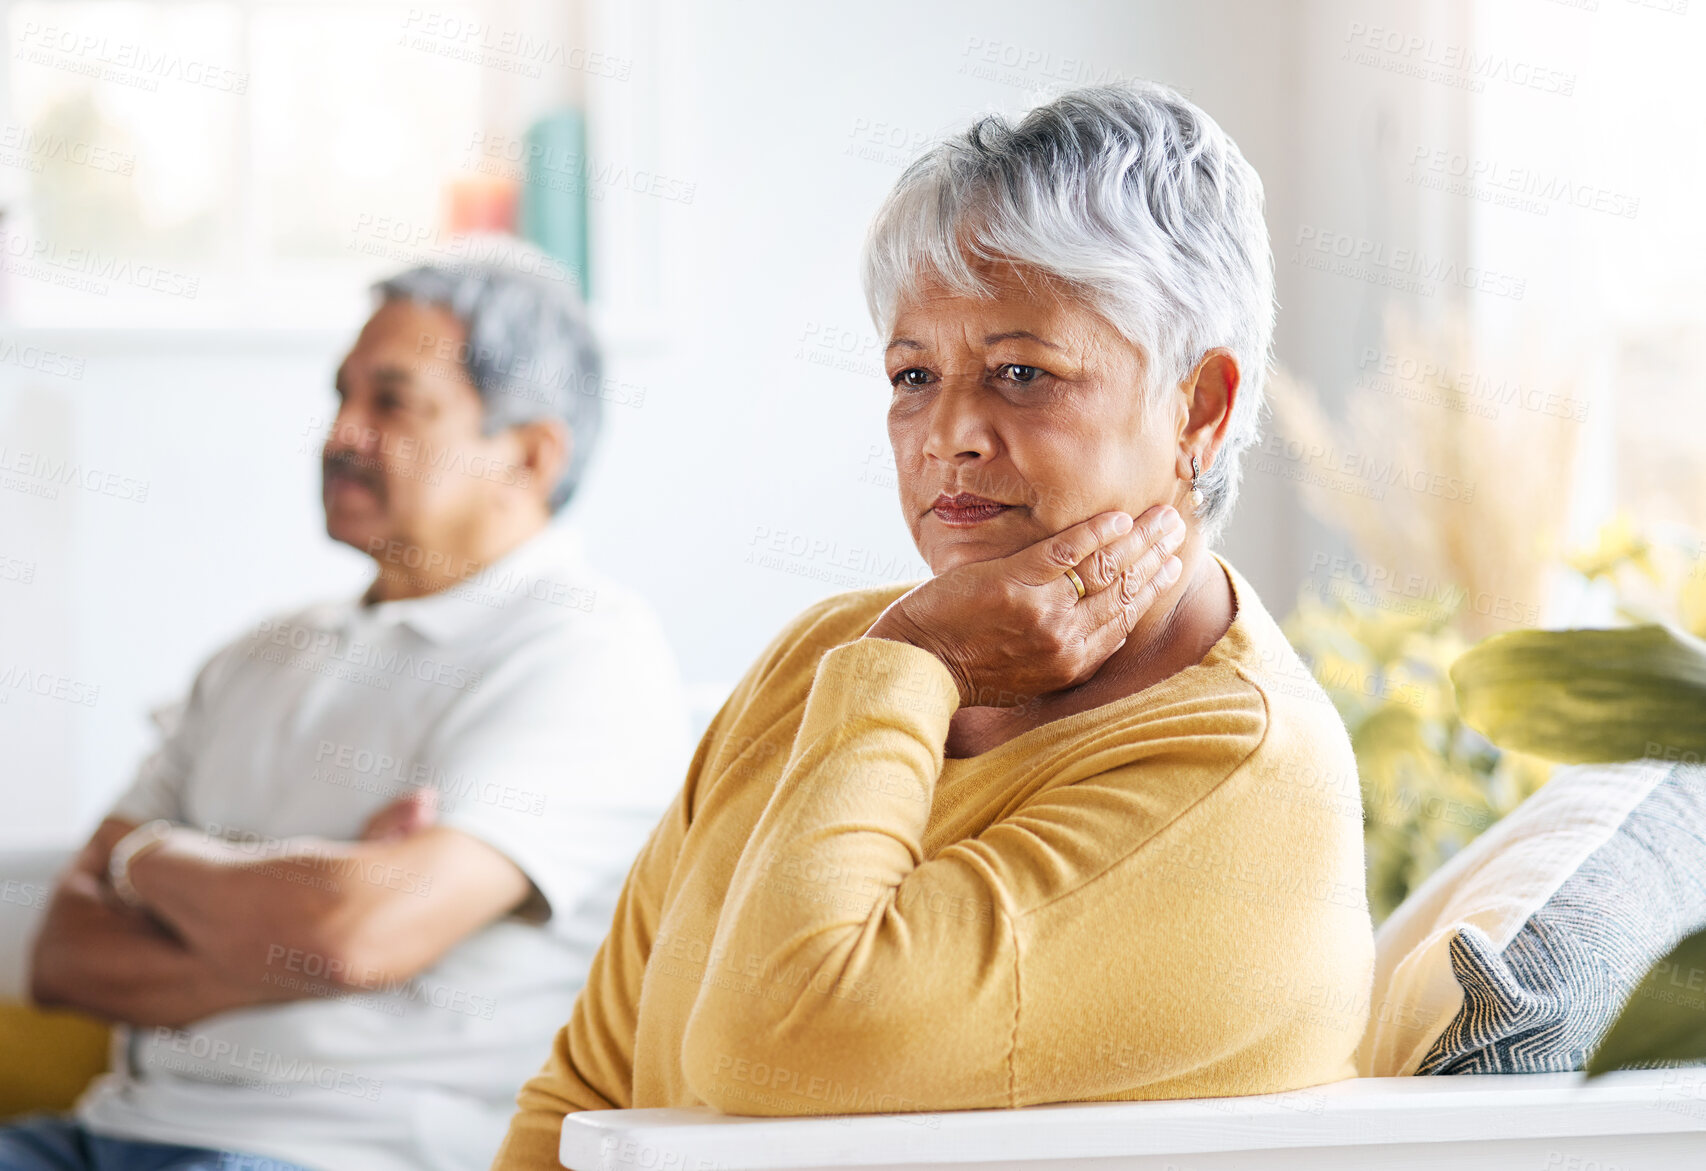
<point>1492,333</point>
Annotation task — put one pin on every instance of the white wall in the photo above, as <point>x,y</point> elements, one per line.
<point>202,516</point>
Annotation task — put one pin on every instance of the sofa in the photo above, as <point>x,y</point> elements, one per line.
<point>1535,868</point>
<point>1502,969</point>
<point>46,1058</point>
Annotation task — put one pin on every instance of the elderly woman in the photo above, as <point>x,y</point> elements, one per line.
<point>1057,824</point>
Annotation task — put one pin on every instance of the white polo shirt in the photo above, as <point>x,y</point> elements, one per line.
<point>543,704</point>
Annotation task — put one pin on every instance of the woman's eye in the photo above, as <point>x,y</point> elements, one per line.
<point>912,376</point>
<point>1020,374</point>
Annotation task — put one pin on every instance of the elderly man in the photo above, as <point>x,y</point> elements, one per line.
<point>343,907</point>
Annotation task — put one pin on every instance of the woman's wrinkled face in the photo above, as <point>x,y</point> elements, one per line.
<point>1019,415</point>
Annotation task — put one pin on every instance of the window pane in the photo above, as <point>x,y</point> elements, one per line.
<point>353,128</point>
<point>266,159</point>
<point>125,120</point>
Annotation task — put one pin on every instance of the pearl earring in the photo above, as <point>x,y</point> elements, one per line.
<point>1196,492</point>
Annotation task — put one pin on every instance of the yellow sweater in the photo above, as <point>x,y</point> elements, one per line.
<point>1158,898</point>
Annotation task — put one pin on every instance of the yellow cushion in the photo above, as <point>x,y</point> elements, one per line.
<point>47,1057</point>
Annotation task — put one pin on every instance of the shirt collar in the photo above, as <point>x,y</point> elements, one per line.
<point>538,567</point>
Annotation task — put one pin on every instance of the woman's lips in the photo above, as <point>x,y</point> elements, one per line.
<point>966,509</point>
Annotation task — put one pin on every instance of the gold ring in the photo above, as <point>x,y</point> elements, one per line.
<point>1077,582</point>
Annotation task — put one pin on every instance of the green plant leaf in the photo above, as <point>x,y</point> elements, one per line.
<point>1587,696</point>
<point>1665,1018</point>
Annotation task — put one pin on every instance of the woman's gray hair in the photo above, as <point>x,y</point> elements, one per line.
<point>1126,193</point>
<point>530,351</point>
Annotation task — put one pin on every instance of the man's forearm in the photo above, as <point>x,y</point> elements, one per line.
<point>118,965</point>
<point>241,912</point>
<point>368,912</point>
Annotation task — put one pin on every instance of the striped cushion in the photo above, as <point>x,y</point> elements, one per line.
<point>1541,1004</point>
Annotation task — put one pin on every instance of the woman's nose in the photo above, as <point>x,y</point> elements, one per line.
<point>959,429</point>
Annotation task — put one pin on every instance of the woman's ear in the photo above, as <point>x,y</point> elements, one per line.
<point>1210,390</point>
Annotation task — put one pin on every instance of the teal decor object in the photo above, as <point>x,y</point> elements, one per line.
<point>554,191</point>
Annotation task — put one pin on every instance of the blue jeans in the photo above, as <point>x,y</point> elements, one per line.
<point>59,1144</point>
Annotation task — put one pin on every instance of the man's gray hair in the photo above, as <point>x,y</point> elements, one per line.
<point>1126,193</point>
<point>530,351</point>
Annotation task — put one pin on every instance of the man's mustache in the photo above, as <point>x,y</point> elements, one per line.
<point>355,467</point>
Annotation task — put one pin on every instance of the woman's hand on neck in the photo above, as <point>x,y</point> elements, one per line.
<point>1173,634</point>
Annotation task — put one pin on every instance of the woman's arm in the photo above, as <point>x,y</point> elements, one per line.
<point>829,909</point>
<point>887,982</point>
<point>848,932</point>
<point>1151,921</point>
